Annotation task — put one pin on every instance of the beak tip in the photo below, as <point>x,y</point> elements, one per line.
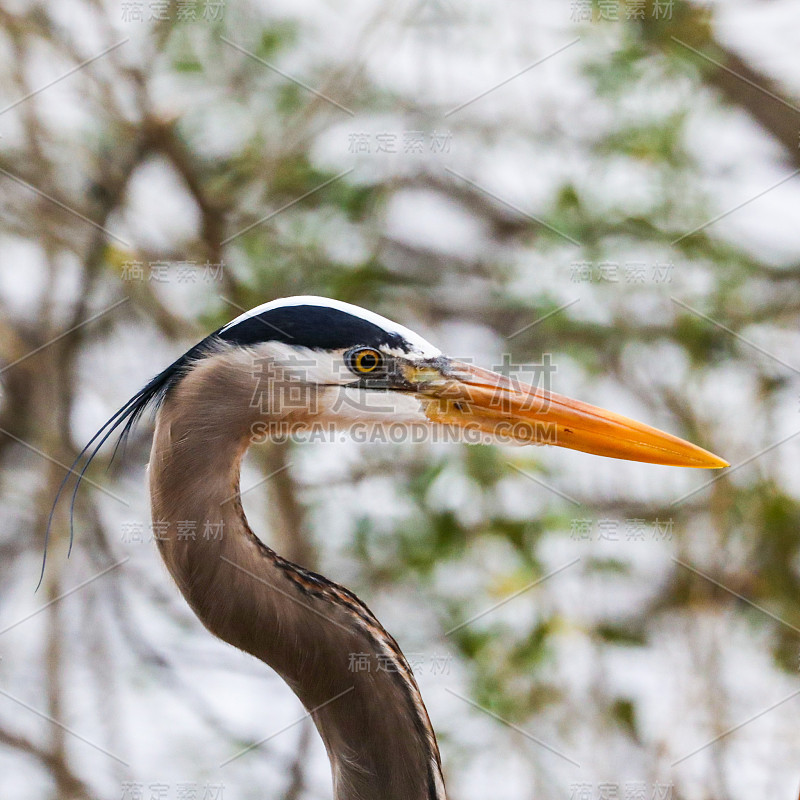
<point>705,459</point>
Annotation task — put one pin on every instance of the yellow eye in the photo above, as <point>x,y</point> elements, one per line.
<point>365,361</point>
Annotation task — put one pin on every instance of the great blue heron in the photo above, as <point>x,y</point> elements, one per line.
<point>285,367</point>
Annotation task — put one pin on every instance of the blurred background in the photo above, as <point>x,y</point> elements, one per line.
<point>610,188</point>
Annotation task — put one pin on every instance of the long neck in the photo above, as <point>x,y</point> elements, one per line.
<point>348,672</point>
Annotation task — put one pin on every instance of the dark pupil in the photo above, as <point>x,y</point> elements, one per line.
<point>369,361</point>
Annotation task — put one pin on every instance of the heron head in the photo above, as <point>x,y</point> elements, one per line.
<point>326,363</point>
<point>319,361</point>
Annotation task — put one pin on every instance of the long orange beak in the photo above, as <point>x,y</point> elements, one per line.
<point>477,399</point>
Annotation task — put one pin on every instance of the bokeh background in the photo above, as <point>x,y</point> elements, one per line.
<point>609,185</point>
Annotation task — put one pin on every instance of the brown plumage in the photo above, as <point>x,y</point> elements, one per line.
<point>307,628</point>
<point>293,363</point>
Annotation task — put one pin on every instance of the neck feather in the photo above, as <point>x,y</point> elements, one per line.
<point>348,672</point>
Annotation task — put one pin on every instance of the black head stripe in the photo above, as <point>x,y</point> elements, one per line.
<point>314,326</point>
<point>318,327</point>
